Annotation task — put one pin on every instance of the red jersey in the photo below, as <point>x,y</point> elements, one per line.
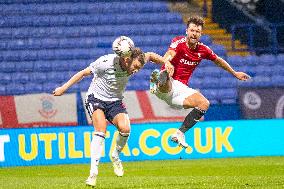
<point>186,59</point>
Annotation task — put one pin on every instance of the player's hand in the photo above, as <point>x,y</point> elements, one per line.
<point>58,91</point>
<point>242,76</point>
<point>170,68</point>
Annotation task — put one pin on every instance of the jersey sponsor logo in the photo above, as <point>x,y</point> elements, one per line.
<point>191,63</point>
<point>175,44</point>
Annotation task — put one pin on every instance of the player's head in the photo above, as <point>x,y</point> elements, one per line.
<point>135,62</point>
<point>195,25</point>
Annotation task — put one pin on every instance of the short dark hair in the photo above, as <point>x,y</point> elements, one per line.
<point>139,54</point>
<point>197,20</point>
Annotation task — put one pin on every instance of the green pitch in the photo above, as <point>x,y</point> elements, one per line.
<point>260,172</point>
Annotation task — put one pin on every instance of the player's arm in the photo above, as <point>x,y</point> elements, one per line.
<point>153,57</point>
<point>169,55</point>
<point>74,79</point>
<point>223,64</point>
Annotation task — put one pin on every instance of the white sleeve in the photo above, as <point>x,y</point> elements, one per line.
<point>97,66</point>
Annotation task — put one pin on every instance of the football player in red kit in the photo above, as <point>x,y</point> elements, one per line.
<point>185,53</point>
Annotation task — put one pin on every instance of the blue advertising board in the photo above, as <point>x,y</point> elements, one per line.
<point>210,139</point>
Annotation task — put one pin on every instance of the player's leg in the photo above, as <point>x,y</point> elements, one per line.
<point>119,117</point>
<point>94,107</point>
<point>199,104</point>
<point>122,122</point>
<point>184,97</point>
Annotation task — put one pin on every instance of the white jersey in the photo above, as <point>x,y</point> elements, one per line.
<point>109,80</point>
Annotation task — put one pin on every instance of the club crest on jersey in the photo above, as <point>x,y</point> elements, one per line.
<point>191,63</point>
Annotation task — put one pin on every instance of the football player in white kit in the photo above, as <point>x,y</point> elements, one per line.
<point>104,101</point>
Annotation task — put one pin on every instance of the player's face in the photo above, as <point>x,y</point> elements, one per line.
<point>193,33</point>
<point>134,66</point>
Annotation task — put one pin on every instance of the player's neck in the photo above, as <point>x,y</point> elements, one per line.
<point>192,45</point>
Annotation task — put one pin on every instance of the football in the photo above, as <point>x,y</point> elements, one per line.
<point>122,46</point>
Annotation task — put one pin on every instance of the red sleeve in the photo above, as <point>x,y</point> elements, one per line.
<point>174,43</point>
<point>210,55</point>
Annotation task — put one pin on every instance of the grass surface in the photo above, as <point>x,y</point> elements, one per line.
<point>259,172</point>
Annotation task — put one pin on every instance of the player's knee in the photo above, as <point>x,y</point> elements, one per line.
<point>204,104</point>
<point>124,128</point>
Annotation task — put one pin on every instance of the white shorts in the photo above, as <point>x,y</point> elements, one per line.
<point>177,95</point>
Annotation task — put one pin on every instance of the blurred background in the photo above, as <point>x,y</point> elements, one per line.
<point>44,42</point>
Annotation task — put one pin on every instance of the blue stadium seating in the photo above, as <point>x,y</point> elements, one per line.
<point>250,60</point>
<point>280,59</point>
<point>230,81</point>
<point>81,8</point>
<point>278,69</point>
<point>44,44</point>
<point>49,86</point>
<point>267,59</point>
<point>219,50</point>
<point>236,60</point>
<point>38,77</point>
<point>277,80</point>
<point>19,77</point>
<point>24,66</point>
<point>210,82</point>
<point>7,67</point>
<point>3,90</point>
<point>141,85</point>
<point>15,88</point>
<point>33,88</point>
<point>5,78</point>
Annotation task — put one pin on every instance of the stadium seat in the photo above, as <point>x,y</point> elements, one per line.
<point>33,88</point>
<point>7,67</point>
<point>25,66</point>
<point>280,59</point>
<point>225,82</point>
<point>141,85</point>
<point>5,78</point>
<point>219,50</point>
<point>210,82</point>
<point>84,84</point>
<point>3,90</point>
<point>251,60</point>
<point>41,66</point>
<point>263,70</point>
<point>38,77</point>
<point>151,66</point>
<point>48,86</point>
<point>58,65</point>
<point>212,71</point>
<point>235,61</point>
<point>57,77</point>
<point>267,59</point>
<point>210,94</point>
<point>227,93</point>
<point>195,82</point>
<point>206,39</point>
<point>277,80</point>
<point>278,69</point>
<point>20,77</point>
<point>15,89</point>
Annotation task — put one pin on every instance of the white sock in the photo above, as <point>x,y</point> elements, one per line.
<point>120,143</point>
<point>97,145</point>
